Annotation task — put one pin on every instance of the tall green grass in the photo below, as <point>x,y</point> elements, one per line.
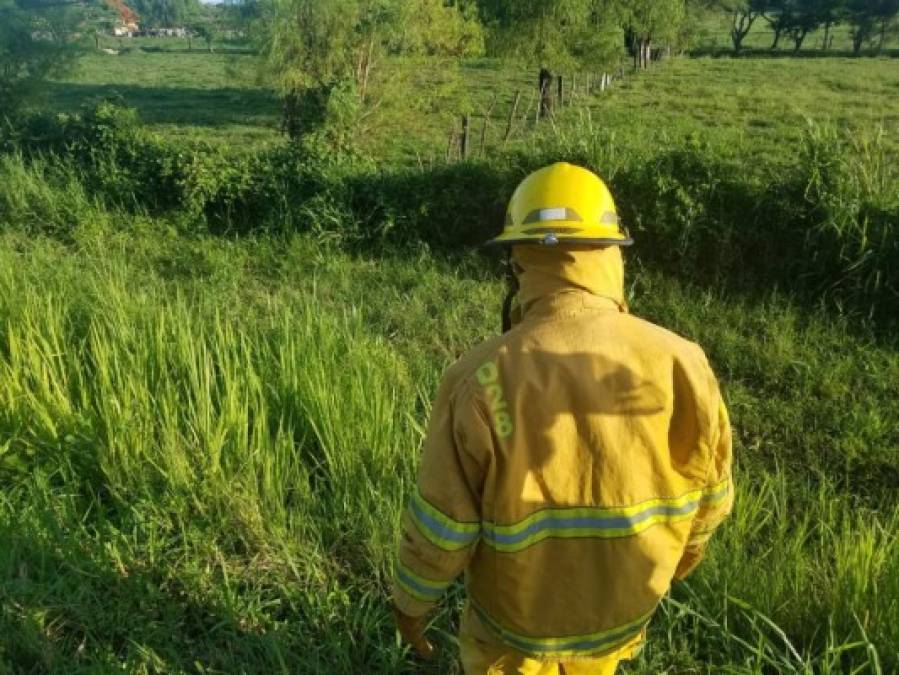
<point>165,450</point>
<point>216,366</point>
<point>822,225</point>
<point>205,447</point>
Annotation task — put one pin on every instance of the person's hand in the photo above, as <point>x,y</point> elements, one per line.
<point>688,562</point>
<point>412,630</point>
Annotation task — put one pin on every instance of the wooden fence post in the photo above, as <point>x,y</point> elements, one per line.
<point>449,144</point>
<point>512,116</point>
<point>561,97</point>
<point>483,149</point>
<point>466,127</point>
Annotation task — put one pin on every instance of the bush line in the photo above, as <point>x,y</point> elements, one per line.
<point>824,226</point>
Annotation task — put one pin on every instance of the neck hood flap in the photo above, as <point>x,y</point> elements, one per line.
<point>544,272</point>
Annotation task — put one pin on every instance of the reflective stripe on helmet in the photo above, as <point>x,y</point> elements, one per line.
<point>556,213</point>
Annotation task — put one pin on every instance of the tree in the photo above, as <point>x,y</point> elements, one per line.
<point>885,14</point>
<point>554,34</point>
<point>778,18</point>
<point>320,55</point>
<point>870,18</point>
<point>744,14</point>
<point>165,13</point>
<point>37,40</point>
<point>831,13</point>
<point>652,21</point>
<point>206,22</point>
<point>435,28</point>
<point>797,18</point>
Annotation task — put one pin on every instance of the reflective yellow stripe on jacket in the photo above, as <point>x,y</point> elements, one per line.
<point>599,522</point>
<point>569,646</point>
<point>439,528</point>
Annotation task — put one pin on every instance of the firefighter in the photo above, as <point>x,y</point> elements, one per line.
<point>574,466</point>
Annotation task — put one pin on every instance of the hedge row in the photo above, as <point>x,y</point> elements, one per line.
<point>827,225</point>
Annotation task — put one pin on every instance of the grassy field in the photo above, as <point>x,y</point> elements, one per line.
<point>206,440</point>
<point>760,104</point>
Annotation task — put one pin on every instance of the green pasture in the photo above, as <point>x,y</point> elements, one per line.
<point>193,94</point>
<point>218,353</point>
<point>755,101</point>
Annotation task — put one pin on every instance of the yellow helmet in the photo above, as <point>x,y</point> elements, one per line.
<point>559,204</point>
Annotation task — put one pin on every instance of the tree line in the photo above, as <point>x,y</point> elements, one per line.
<point>320,54</point>
<point>870,22</point>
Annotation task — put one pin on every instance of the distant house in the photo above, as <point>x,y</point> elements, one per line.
<point>126,29</point>
<point>133,30</point>
<point>127,25</point>
<point>166,32</point>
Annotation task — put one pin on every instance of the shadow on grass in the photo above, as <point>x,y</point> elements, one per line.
<point>764,53</point>
<point>67,608</point>
<point>81,597</point>
<point>200,49</point>
<point>174,105</point>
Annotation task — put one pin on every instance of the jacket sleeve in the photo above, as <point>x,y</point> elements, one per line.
<point>718,492</point>
<point>442,523</point>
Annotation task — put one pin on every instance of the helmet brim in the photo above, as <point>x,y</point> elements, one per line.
<point>510,240</point>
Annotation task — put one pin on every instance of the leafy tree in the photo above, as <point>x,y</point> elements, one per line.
<point>831,12</point>
<point>795,18</point>
<point>554,33</point>
<point>869,19</point>
<point>206,22</point>
<point>320,55</point>
<point>744,14</point>
<point>651,21</point>
<point>37,40</point>
<point>885,14</point>
<point>778,15</point>
<point>435,28</point>
<point>165,13</point>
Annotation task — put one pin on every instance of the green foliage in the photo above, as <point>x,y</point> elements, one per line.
<point>820,225</point>
<point>307,43</point>
<point>36,41</point>
<point>205,453</point>
<point>164,13</point>
<point>870,20</point>
<point>205,441</point>
<point>655,19</point>
<point>556,34</point>
<point>435,28</point>
<point>313,48</point>
<point>744,13</point>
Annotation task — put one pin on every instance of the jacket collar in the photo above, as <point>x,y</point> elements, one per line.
<point>553,281</point>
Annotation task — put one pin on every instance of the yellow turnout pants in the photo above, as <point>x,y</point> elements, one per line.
<point>482,658</point>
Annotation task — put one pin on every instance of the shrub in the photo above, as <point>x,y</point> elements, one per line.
<point>825,225</point>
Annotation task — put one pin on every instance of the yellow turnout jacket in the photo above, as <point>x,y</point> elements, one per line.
<point>573,467</point>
